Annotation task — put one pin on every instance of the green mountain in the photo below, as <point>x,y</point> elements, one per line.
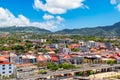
<point>30,29</point>
<point>113,30</point>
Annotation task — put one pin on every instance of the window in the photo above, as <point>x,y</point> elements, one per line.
<point>3,72</point>
<point>9,71</point>
<point>9,67</point>
<point>9,64</point>
<point>3,65</point>
<point>3,68</point>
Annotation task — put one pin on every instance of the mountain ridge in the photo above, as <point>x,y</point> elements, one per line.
<point>24,29</point>
<point>111,30</point>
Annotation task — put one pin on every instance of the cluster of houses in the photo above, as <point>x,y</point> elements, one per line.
<point>89,50</point>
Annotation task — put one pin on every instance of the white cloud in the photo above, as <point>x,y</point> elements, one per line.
<point>58,6</point>
<point>59,18</point>
<point>118,7</point>
<point>113,1</point>
<point>48,17</point>
<point>8,19</point>
<point>116,3</point>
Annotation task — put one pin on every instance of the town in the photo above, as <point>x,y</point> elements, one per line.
<point>31,56</point>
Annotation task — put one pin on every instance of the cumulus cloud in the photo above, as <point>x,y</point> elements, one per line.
<point>118,7</point>
<point>113,1</point>
<point>116,3</point>
<point>48,17</point>
<point>8,19</point>
<point>58,6</point>
<point>51,17</point>
<point>59,18</point>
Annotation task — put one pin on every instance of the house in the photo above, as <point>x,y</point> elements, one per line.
<point>85,48</point>
<point>3,58</point>
<point>77,59</point>
<point>92,44</point>
<point>41,58</point>
<point>64,58</point>
<point>65,50</point>
<point>54,58</point>
<point>118,60</point>
<point>72,46</point>
<point>6,69</point>
<point>109,46</point>
<point>43,40</point>
<point>25,59</point>
<point>81,42</point>
<point>55,46</point>
<point>47,56</point>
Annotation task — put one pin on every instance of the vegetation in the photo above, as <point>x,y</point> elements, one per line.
<point>75,50</point>
<point>24,29</point>
<point>111,62</point>
<point>42,72</point>
<point>53,66</point>
<point>112,30</point>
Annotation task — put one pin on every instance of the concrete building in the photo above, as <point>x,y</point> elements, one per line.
<point>6,69</point>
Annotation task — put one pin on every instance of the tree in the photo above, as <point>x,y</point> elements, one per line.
<point>0,76</point>
<point>42,72</point>
<point>28,45</point>
<point>52,66</point>
<point>67,66</point>
<point>91,72</point>
<point>56,50</point>
<point>18,48</point>
<point>75,49</point>
<point>80,74</point>
<point>111,62</point>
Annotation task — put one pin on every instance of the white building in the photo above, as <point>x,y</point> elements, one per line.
<point>6,69</point>
<point>92,44</point>
<point>43,40</point>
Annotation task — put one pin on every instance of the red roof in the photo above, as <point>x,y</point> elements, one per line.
<point>54,58</point>
<point>3,62</point>
<point>5,52</point>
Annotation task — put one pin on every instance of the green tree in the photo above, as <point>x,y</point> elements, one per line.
<point>75,49</point>
<point>111,62</point>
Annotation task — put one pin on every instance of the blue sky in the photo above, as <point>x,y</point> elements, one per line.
<point>59,14</point>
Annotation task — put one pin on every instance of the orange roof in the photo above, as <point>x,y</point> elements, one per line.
<point>5,52</point>
<point>51,52</point>
<point>67,57</point>
<point>41,58</point>
<point>2,58</point>
<point>53,58</point>
<point>73,46</point>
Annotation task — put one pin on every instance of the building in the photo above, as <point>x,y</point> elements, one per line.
<point>85,48</point>
<point>6,69</point>
<point>65,50</point>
